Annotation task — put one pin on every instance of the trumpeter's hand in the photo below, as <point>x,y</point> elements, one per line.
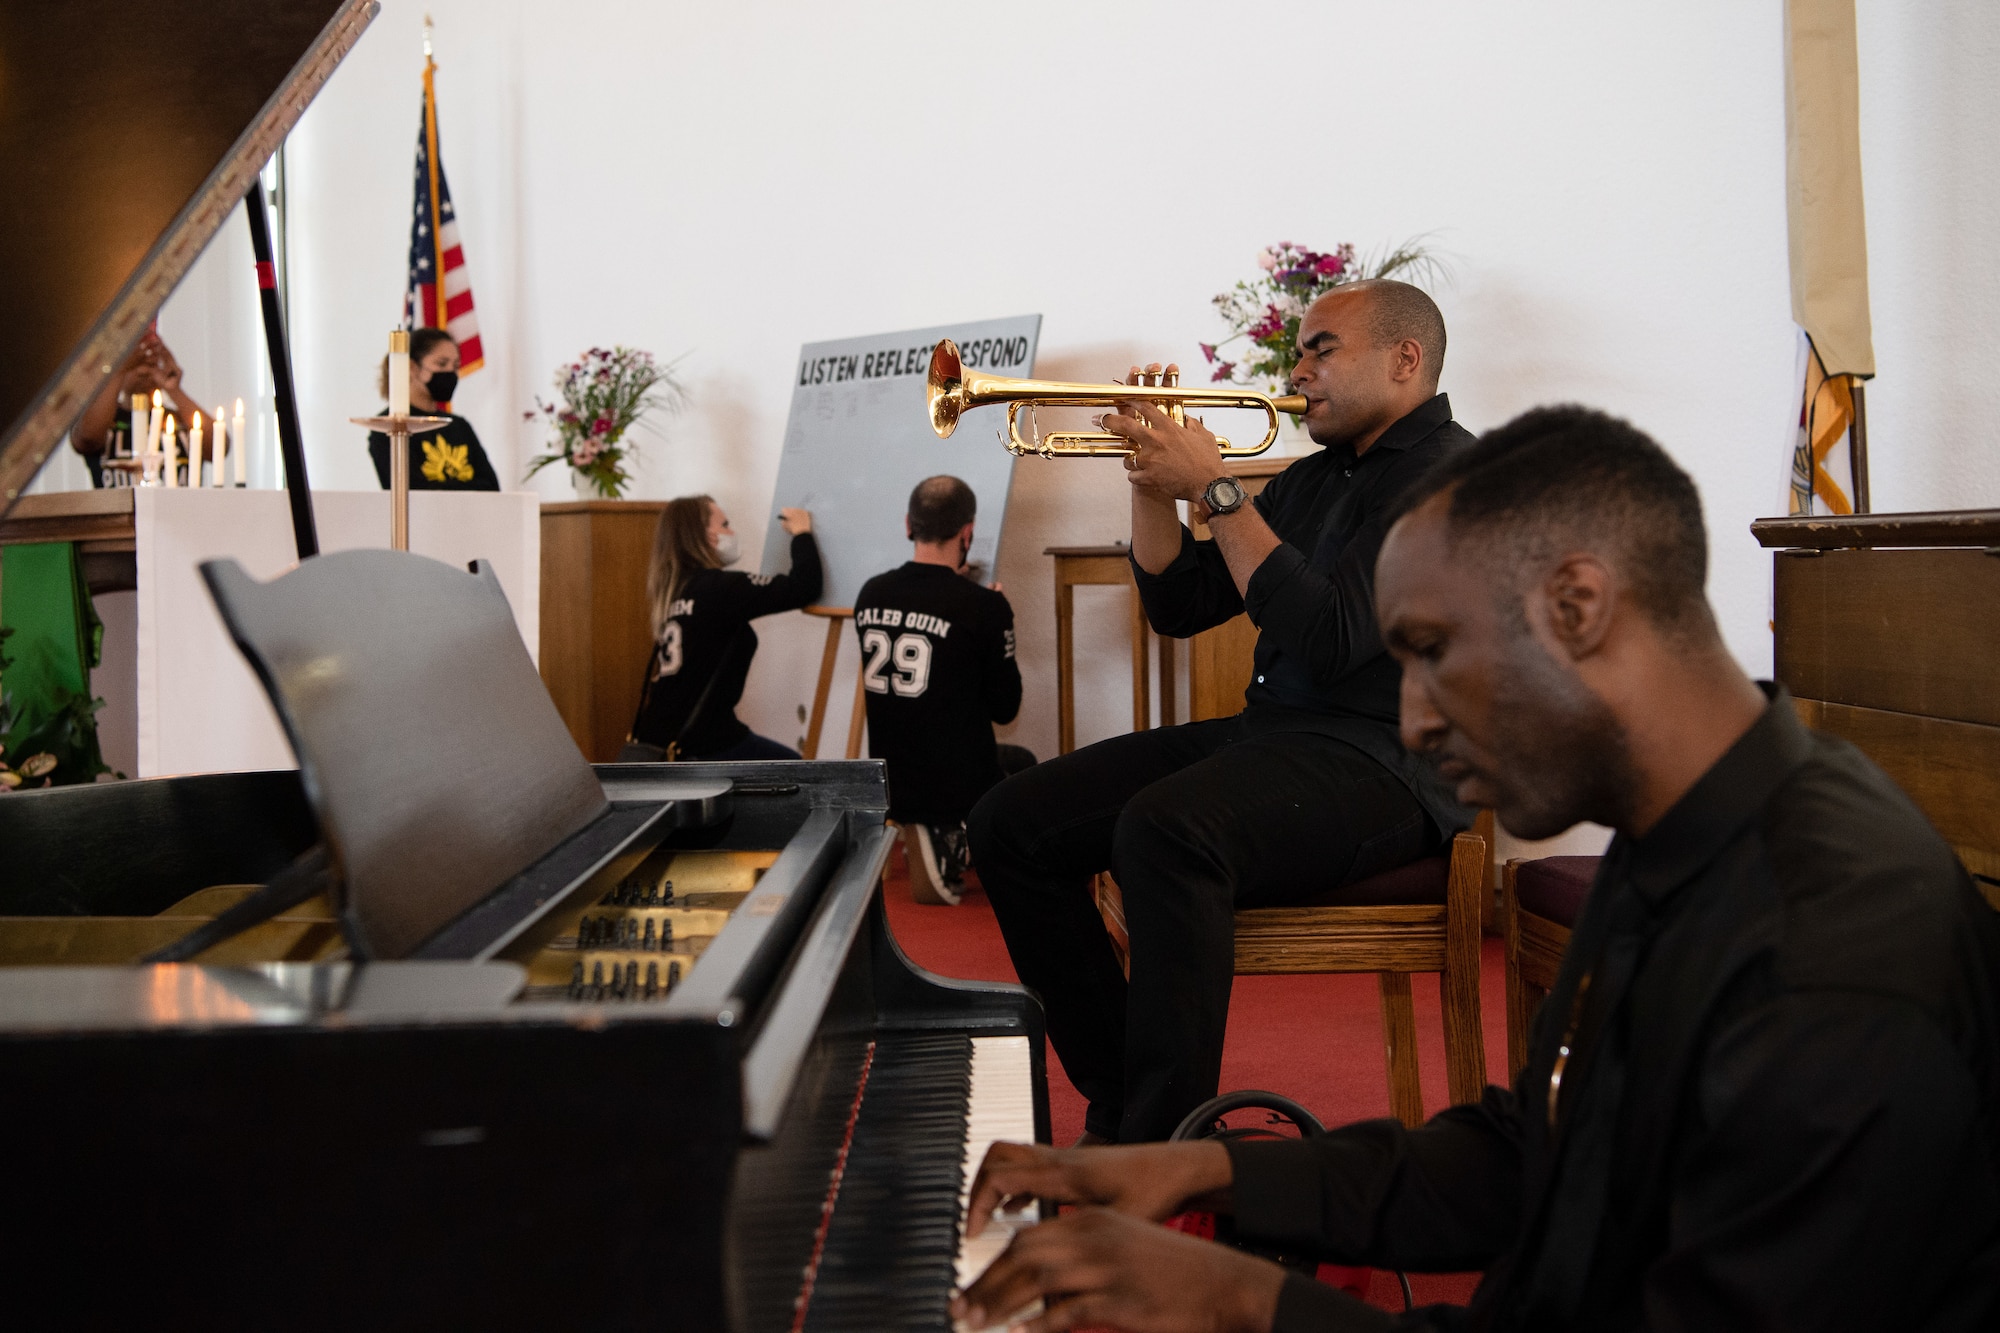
<point>795,521</point>
<point>1173,460</point>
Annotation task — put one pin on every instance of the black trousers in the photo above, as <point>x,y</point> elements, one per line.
<point>1194,821</point>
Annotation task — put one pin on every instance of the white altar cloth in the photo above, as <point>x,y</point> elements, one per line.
<point>200,710</point>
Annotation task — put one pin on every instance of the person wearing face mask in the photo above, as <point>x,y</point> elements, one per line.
<point>702,640</point>
<point>938,670</point>
<point>449,458</point>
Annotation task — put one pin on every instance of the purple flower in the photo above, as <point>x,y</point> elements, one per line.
<point>1331,264</point>
<point>1208,350</point>
<point>1223,370</point>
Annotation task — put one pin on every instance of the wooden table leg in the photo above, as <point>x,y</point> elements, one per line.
<point>1142,691</point>
<point>860,718</point>
<point>827,659</point>
<point>1065,667</point>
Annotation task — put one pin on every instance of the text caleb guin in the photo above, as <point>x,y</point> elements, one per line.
<point>890,618</point>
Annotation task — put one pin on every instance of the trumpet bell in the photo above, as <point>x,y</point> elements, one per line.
<point>944,388</point>
<point>950,393</point>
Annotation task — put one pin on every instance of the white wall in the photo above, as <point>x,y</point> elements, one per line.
<point>729,181</point>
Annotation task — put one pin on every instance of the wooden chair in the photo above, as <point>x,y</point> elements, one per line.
<point>1422,917</point>
<point>1539,901</point>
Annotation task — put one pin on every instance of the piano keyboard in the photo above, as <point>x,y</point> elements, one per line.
<point>1000,1109</point>
<point>889,1251</point>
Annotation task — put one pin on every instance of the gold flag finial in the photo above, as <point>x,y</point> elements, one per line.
<point>427,36</point>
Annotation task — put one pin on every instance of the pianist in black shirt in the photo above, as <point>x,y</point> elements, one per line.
<point>938,670</point>
<point>702,640</point>
<point>449,458</point>
<point>1765,1089</point>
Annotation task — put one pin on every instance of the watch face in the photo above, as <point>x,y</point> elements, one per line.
<point>1224,494</point>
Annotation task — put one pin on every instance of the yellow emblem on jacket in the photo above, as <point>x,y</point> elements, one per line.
<point>446,462</point>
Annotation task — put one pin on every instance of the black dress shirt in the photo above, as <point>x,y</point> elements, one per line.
<point>1320,662</point>
<point>1780,1114</point>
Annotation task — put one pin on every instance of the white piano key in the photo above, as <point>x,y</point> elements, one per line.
<point>1001,1109</point>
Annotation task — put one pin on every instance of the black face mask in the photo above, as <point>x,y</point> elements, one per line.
<point>442,384</point>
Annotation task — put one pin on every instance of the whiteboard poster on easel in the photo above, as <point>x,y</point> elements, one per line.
<point>859,439</point>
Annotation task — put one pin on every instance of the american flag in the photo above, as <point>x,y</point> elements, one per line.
<point>435,249</point>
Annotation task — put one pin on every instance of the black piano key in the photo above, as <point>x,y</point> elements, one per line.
<point>894,1234</point>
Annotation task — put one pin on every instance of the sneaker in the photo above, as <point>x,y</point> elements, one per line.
<point>937,863</point>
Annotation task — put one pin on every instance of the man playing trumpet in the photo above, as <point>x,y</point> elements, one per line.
<point>1304,790</point>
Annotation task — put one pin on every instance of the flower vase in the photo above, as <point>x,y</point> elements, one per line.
<point>586,488</point>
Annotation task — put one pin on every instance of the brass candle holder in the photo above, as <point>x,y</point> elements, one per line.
<point>398,430</point>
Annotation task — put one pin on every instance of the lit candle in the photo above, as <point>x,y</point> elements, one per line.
<point>170,465</point>
<point>399,372</point>
<point>154,420</point>
<point>242,441</point>
<point>194,452</point>
<point>219,452</point>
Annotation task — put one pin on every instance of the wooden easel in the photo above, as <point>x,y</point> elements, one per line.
<point>836,630</point>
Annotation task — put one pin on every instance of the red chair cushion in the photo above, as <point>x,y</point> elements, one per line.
<point>1420,883</point>
<point>1554,887</point>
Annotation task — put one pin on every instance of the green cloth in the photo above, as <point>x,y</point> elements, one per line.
<point>54,638</point>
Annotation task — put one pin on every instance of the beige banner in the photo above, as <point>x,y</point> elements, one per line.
<point>1829,229</point>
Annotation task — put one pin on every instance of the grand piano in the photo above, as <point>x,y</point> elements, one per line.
<point>446,1028</point>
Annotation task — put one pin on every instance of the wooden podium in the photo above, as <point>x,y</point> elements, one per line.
<point>596,633</point>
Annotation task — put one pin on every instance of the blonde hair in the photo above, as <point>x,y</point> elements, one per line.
<point>680,546</point>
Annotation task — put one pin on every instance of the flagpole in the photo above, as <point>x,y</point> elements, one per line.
<point>431,156</point>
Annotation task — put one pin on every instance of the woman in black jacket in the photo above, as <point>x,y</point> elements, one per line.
<point>702,640</point>
<point>449,458</point>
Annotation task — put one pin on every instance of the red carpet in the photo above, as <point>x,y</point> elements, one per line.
<point>1317,1039</point>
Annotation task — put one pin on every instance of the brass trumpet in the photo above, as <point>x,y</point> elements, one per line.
<point>951,392</point>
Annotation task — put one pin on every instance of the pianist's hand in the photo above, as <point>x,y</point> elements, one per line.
<point>1096,1268</point>
<point>1149,1180</point>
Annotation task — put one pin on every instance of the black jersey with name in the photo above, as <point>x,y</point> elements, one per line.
<point>938,670</point>
<point>709,631</point>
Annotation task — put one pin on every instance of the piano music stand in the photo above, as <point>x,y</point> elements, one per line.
<point>483,799</point>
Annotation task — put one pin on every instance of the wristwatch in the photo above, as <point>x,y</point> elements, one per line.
<point>1224,495</point>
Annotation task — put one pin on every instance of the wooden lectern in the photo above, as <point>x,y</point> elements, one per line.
<point>1883,636</point>
<point>596,633</point>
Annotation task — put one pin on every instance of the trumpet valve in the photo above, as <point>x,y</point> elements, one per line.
<point>1175,412</point>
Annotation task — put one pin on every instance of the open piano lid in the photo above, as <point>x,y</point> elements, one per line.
<point>129,129</point>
